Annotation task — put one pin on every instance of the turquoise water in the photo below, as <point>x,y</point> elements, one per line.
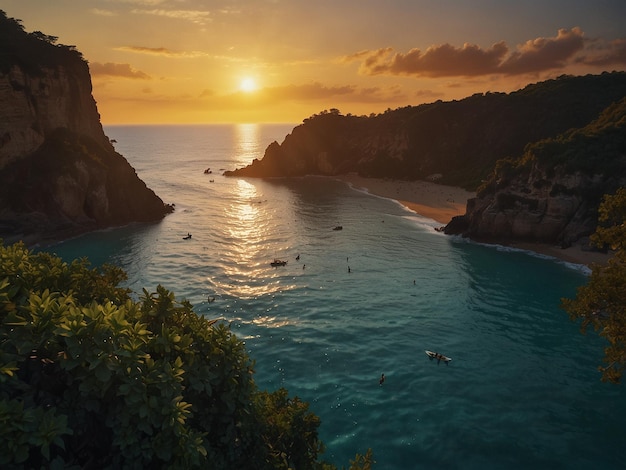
<point>522,390</point>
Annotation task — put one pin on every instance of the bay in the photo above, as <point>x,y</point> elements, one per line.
<point>522,389</point>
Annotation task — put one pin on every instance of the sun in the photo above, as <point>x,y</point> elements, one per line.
<point>247,85</point>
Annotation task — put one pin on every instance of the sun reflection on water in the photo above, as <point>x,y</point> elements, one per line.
<point>247,272</point>
<point>248,145</point>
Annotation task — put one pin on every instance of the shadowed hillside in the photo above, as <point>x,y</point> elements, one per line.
<point>459,140</point>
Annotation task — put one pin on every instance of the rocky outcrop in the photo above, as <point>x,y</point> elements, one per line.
<point>558,210</point>
<point>59,174</point>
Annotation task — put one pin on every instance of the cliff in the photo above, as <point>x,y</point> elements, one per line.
<point>59,174</point>
<point>552,192</point>
<point>458,141</point>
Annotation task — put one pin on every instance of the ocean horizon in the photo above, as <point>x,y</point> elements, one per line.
<point>522,389</point>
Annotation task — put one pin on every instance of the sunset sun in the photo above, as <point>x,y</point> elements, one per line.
<point>247,85</point>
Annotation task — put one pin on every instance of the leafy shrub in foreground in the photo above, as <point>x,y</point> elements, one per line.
<point>601,303</point>
<point>90,378</point>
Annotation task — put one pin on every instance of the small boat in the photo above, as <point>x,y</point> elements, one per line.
<point>338,227</point>
<point>187,237</point>
<point>278,262</point>
<point>440,357</point>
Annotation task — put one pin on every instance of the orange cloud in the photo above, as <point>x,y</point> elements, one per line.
<point>195,16</point>
<point>116,70</point>
<point>160,51</point>
<point>344,93</point>
<point>313,92</point>
<point>100,12</point>
<point>307,92</point>
<point>471,60</point>
<point>542,54</point>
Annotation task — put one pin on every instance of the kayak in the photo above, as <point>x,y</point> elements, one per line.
<point>440,357</point>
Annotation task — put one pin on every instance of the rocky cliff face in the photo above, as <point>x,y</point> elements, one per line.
<point>534,207</point>
<point>59,174</point>
<point>33,106</point>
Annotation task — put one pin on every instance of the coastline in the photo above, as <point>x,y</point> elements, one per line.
<point>431,200</point>
<point>441,203</point>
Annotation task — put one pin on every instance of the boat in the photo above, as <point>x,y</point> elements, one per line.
<point>278,262</point>
<point>338,227</point>
<point>440,357</point>
<point>187,237</point>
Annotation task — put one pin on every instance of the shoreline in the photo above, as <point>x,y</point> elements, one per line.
<point>440,203</point>
<point>434,201</point>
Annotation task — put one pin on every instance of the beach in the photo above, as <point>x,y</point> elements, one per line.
<point>441,203</point>
<point>435,201</point>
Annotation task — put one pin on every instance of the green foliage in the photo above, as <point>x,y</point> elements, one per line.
<point>288,423</point>
<point>599,147</point>
<point>601,303</point>
<point>87,375</point>
<point>612,217</point>
<point>363,462</point>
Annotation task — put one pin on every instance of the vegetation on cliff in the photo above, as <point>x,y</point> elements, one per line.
<point>601,303</point>
<point>556,185</point>
<point>32,51</point>
<point>460,140</point>
<point>599,148</point>
<point>90,378</point>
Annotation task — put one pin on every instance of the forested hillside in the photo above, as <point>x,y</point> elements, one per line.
<point>457,142</point>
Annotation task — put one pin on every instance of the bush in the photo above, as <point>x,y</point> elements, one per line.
<point>91,378</point>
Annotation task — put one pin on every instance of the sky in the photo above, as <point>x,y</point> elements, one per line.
<point>254,61</point>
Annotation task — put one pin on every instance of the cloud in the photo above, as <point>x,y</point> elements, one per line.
<point>317,91</point>
<point>161,51</point>
<point>116,70</point>
<point>542,54</point>
<point>200,17</point>
<point>312,91</point>
<point>100,12</point>
<point>606,54</point>
<point>471,60</point>
<point>141,2</point>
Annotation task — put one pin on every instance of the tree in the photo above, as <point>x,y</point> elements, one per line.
<point>601,303</point>
<point>91,378</point>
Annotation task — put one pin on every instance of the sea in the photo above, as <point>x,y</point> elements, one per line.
<point>522,390</point>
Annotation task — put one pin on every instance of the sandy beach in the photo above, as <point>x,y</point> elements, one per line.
<point>441,203</point>
<point>435,201</point>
